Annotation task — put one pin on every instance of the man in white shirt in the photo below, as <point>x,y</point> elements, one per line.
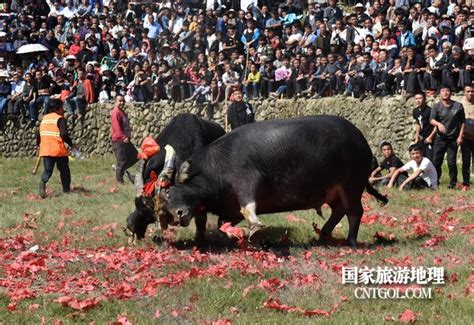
<point>14,105</point>
<point>70,11</point>
<point>55,8</point>
<point>230,79</point>
<point>148,12</point>
<point>424,172</point>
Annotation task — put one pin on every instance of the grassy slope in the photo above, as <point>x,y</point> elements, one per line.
<point>209,298</point>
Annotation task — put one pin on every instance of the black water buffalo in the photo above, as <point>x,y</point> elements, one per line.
<point>186,133</point>
<point>276,166</point>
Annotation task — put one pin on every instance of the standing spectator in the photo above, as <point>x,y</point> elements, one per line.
<point>239,112</point>
<point>424,131</point>
<point>467,146</point>
<point>51,140</point>
<point>124,151</point>
<point>448,117</point>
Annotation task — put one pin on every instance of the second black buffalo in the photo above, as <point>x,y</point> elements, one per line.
<point>186,133</point>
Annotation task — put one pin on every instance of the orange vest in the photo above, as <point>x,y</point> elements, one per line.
<point>51,145</point>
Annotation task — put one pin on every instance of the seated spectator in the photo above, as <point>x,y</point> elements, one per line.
<point>142,87</point>
<point>27,95</point>
<point>15,103</point>
<point>424,174</point>
<point>200,94</point>
<point>267,73</point>
<point>42,89</point>
<point>230,79</point>
<point>282,76</point>
<point>252,83</point>
<point>390,164</point>
<point>5,91</point>
<point>82,93</point>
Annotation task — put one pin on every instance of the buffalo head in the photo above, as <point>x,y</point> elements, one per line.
<point>149,209</point>
<point>182,200</point>
<point>138,220</point>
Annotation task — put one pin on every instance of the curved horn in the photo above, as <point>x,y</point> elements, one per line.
<point>170,160</point>
<point>139,177</point>
<point>169,168</point>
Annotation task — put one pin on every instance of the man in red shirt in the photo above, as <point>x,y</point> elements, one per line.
<point>124,151</point>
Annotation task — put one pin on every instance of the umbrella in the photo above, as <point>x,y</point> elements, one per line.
<point>32,48</point>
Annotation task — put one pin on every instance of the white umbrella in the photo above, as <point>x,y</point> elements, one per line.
<point>32,48</point>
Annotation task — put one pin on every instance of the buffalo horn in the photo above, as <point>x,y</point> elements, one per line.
<point>139,177</point>
<point>170,161</point>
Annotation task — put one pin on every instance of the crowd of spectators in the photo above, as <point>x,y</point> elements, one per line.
<point>203,50</point>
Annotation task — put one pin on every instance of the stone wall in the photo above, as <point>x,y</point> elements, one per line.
<point>378,118</point>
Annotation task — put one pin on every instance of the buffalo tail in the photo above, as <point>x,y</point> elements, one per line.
<point>372,191</point>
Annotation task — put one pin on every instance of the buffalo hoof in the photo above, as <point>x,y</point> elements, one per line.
<point>324,239</point>
<point>201,242</point>
<point>352,244</point>
<point>132,241</point>
<point>256,234</point>
<point>157,239</point>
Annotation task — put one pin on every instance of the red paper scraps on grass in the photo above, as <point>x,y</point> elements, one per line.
<point>430,243</point>
<point>77,304</point>
<point>408,316</point>
<point>231,231</point>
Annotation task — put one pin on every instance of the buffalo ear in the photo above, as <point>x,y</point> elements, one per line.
<point>144,203</point>
<point>139,204</point>
<point>183,173</point>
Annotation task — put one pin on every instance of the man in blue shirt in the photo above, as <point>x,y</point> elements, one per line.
<point>406,37</point>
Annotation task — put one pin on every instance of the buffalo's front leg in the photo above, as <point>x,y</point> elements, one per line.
<point>256,227</point>
<point>201,221</point>
<point>337,212</point>
<point>354,214</point>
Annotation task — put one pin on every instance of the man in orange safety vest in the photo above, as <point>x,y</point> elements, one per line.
<point>51,140</point>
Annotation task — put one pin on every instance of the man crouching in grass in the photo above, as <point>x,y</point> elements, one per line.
<point>424,172</point>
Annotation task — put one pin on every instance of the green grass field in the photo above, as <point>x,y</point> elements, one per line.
<point>66,259</point>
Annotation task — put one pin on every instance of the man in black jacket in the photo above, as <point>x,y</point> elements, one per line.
<point>449,118</point>
<point>240,113</point>
<point>424,131</point>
